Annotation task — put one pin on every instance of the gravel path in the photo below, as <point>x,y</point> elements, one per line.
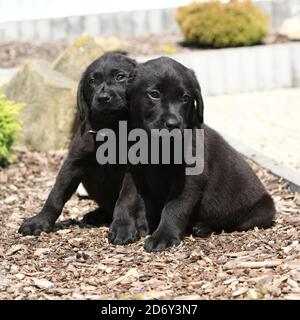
<point>75,263</point>
<point>268,122</point>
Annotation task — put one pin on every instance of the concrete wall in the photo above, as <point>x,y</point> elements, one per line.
<point>123,24</point>
<point>133,23</point>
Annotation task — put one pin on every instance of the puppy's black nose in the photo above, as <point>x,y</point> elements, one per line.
<point>103,97</point>
<point>172,123</point>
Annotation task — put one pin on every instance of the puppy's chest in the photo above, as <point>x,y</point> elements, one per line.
<point>105,177</point>
<point>155,181</point>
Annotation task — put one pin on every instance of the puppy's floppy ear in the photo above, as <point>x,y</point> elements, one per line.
<point>130,80</point>
<point>198,96</point>
<point>132,76</point>
<point>133,72</point>
<point>199,105</point>
<point>81,104</point>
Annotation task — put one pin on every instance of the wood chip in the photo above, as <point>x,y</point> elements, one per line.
<point>64,231</point>
<point>20,276</point>
<point>40,251</point>
<point>292,283</point>
<point>293,296</point>
<point>41,283</point>
<point>14,249</point>
<point>239,292</point>
<point>128,277</point>
<point>251,264</point>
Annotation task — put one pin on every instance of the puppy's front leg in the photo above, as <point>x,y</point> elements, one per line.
<point>174,218</point>
<point>129,218</point>
<point>65,185</point>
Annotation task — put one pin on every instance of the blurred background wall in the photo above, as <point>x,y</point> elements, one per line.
<point>56,19</point>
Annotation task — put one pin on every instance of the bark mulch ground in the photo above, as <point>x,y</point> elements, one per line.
<point>76,263</point>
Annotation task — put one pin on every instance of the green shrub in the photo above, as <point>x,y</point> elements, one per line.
<point>216,24</point>
<point>9,129</point>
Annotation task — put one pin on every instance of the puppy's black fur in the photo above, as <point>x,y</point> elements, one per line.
<point>226,196</point>
<point>101,101</point>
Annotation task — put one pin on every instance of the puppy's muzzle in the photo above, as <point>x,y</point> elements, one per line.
<point>107,102</point>
<point>173,123</point>
<point>104,98</point>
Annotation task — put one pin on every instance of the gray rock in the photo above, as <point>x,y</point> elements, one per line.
<point>73,61</point>
<point>50,113</point>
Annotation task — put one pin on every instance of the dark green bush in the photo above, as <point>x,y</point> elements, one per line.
<point>9,129</point>
<point>216,24</point>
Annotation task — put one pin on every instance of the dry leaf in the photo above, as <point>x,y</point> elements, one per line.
<point>130,276</point>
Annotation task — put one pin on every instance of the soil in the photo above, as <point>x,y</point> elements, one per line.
<point>15,53</point>
<point>78,263</point>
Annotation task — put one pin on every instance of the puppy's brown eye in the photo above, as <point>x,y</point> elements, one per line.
<point>92,81</point>
<point>120,77</point>
<point>154,94</point>
<point>185,98</point>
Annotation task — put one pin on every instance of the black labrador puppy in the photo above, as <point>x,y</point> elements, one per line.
<point>101,101</point>
<point>227,195</point>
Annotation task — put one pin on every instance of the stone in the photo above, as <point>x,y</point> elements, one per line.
<point>73,61</point>
<point>50,112</point>
<point>290,28</point>
<point>112,44</point>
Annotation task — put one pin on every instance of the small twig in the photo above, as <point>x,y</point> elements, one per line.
<point>251,264</point>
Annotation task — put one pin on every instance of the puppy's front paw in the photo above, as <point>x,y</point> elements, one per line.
<point>160,242</point>
<point>122,234</point>
<point>35,225</point>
